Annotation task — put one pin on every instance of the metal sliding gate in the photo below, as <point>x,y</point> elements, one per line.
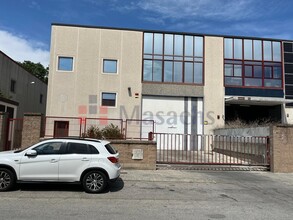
<point>212,149</point>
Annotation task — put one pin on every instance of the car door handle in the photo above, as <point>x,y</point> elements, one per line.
<point>54,160</point>
<point>85,159</point>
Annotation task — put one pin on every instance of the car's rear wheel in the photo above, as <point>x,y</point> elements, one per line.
<point>94,181</point>
<point>7,179</point>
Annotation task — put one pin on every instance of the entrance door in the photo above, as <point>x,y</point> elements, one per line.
<point>61,128</point>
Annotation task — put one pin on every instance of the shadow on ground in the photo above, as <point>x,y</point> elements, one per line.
<point>66,187</point>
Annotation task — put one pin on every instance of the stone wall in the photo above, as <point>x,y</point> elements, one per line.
<point>135,154</point>
<point>281,149</point>
<point>32,127</point>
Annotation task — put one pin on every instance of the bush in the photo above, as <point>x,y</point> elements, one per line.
<point>109,132</point>
<point>112,132</point>
<point>93,132</point>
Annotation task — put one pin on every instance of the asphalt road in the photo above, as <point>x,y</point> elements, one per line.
<point>162,194</point>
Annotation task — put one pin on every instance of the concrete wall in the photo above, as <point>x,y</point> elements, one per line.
<point>251,132</point>
<point>28,88</point>
<point>282,149</point>
<point>127,149</point>
<point>214,93</point>
<point>69,92</point>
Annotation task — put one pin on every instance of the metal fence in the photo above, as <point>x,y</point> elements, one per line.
<point>138,129</point>
<point>211,149</point>
<point>78,127</point>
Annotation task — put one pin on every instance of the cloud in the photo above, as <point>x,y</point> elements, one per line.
<point>20,49</point>
<point>174,9</point>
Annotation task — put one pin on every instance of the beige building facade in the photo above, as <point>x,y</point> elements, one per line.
<point>185,82</point>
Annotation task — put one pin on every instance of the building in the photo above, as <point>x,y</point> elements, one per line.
<point>186,82</point>
<point>21,91</point>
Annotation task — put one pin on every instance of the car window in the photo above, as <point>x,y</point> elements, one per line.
<point>110,149</point>
<point>49,148</point>
<point>93,149</point>
<point>77,148</point>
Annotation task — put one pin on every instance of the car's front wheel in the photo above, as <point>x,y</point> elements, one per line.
<point>7,179</point>
<point>94,181</point>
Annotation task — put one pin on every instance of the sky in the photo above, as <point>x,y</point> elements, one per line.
<point>25,25</point>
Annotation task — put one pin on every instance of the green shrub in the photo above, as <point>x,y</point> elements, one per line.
<point>109,132</point>
<point>93,132</point>
<point>112,132</point>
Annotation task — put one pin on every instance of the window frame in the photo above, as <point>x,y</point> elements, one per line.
<point>13,85</point>
<point>108,106</point>
<point>149,58</point>
<point>65,56</point>
<point>110,73</point>
<point>254,62</point>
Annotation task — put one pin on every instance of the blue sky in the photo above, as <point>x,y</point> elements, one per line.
<point>25,25</point>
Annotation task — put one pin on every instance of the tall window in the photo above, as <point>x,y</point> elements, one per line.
<point>173,58</point>
<point>65,63</point>
<point>12,85</point>
<point>252,63</point>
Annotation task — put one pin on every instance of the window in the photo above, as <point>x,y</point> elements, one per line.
<point>65,63</point>
<point>41,98</point>
<point>173,58</point>
<point>252,63</point>
<point>77,148</point>
<point>108,99</point>
<point>49,148</point>
<point>12,85</point>
<point>110,66</point>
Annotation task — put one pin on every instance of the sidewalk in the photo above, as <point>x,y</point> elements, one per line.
<point>195,176</point>
<point>166,176</point>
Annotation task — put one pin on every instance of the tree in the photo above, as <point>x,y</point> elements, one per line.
<point>36,69</point>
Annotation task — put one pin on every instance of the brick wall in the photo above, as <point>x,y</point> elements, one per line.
<point>126,148</point>
<point>281,149</point>
<point>32,124</point>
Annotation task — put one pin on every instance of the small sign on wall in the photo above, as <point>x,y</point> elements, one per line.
<point>137,154</point>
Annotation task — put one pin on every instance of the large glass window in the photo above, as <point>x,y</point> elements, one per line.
<point>252,63</point>
<point>237,49</point>
<point>148,43</point>
<point>173,58</point>
<point>65,63</point>
<point>228,48</point>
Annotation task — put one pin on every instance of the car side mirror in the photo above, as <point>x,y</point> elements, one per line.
<point>31,153</point>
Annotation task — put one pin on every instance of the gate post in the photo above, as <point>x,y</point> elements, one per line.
<point>32,129</point>
<point>3,130</point>
<point>151,136</point>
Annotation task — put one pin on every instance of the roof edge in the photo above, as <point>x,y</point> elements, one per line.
<point>164,31</point>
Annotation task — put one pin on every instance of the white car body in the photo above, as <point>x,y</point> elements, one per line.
<point>63,166</point>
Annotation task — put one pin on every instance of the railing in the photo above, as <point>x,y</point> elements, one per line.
<point>138,129</point>
<point>211,149</point>
<point>78,126</point>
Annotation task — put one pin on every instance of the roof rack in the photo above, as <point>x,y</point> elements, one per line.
<point>77,138</point>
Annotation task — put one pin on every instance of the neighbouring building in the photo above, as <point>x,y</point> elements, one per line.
<point>20,92</point>
<point>187,82</point>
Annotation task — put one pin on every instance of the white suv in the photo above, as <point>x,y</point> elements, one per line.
<point>90,162</point>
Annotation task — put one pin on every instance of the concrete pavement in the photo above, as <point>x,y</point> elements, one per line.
<point>160,194</point>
